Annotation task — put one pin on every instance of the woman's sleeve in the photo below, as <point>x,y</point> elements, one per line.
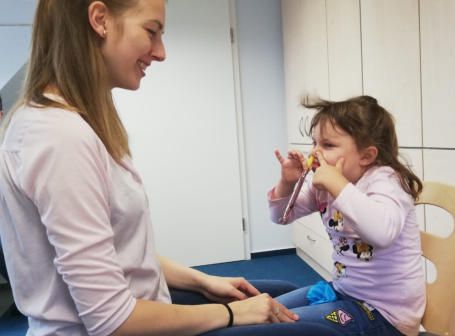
<point>65,173</point>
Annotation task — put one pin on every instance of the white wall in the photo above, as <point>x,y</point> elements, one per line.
<point>260,42</point>
<point>262,83</point>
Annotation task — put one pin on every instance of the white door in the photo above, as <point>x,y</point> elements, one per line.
<point>183,134</point>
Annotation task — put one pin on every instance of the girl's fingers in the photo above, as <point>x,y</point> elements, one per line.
<point>278,156</point>
<point>340,163</point>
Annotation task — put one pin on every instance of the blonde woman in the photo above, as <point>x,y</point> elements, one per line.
<point>75,223</point>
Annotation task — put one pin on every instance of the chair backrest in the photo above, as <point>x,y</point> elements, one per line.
<point>440,310</point>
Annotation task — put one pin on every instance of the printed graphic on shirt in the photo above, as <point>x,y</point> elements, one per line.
<point>336,222</point>
<point>342,245</point>
<point>363,250</point>
<point>340,317</point>
<point>368,309</point>
<point>340,270</point>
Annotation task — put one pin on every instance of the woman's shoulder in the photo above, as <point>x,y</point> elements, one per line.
<point>44,126</point>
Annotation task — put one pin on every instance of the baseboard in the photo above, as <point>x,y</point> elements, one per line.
<point>273,253</point>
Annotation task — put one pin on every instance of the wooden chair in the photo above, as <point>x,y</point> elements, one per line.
<point>439,316</point>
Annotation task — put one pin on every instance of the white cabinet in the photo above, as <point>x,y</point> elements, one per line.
<point>344,49</point>
<point>391,62</point>
<point>322,57</point>
<point>305,61</point>
<point>438,72</point>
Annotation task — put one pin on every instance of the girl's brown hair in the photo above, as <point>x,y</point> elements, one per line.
<point>66,55</point>
<point>369,124</point>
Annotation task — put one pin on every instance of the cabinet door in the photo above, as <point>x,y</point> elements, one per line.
<point>438,72</point>
<point>305,61</point>
<point>344,49</point>
<point>391,62</point>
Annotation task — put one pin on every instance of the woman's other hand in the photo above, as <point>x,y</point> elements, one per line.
<point>226,289</point>
<point>261,309</point>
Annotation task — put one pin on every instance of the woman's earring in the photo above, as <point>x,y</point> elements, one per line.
<point>104,32</point>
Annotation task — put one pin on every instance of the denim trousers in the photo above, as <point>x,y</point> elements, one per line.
<point>344,316</point>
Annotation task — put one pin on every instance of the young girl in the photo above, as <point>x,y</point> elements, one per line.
<point>365,196</point>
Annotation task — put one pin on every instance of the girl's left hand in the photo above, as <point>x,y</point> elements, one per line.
<point>328,177</point>
<point>225,289</point>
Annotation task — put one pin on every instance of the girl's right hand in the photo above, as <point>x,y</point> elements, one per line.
<point>292,166</point>
<point>261,309</point>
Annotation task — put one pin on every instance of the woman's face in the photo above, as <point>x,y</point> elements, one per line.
<point>133,41</point>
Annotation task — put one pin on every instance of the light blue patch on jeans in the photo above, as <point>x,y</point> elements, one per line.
<point>321,292</point>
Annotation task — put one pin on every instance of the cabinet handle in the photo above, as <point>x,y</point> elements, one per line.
<point>310,239</point>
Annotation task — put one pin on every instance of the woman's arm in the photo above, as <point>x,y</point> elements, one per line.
<point>217,289</point>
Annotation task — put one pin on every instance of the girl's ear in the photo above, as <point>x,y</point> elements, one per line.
<point>368,156</point>
<point>97,17</point>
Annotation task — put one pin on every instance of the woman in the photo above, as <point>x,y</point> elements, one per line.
<point>75,223</point>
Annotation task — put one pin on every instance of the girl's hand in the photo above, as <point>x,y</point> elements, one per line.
<point>261,309</point>
<point>291,169</point>
<point>328,177</point>
<point>292,166</point>
<point>225,289</point>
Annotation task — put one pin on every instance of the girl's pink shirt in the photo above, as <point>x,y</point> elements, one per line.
<point>376,243</point>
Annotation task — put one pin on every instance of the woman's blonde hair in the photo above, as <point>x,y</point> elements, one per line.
<point>66,54</point>
<point>369,124</point>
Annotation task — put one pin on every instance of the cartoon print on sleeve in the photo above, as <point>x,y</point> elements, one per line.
<point>363,250</point>
<point>342,245</point>
<point>337,221</point>
<point>340,270</point>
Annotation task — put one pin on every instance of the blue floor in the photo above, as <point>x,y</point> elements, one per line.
<point>282,267</point>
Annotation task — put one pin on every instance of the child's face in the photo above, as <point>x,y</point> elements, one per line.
<point>334,143</point>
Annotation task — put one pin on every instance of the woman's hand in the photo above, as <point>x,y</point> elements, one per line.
<point>328,177</point>
<point>261,309</point>
<point>225,289</point>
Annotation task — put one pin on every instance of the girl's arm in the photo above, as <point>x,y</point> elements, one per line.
<point>377,214</point>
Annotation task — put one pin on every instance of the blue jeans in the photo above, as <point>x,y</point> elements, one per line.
<point>344,316</point>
